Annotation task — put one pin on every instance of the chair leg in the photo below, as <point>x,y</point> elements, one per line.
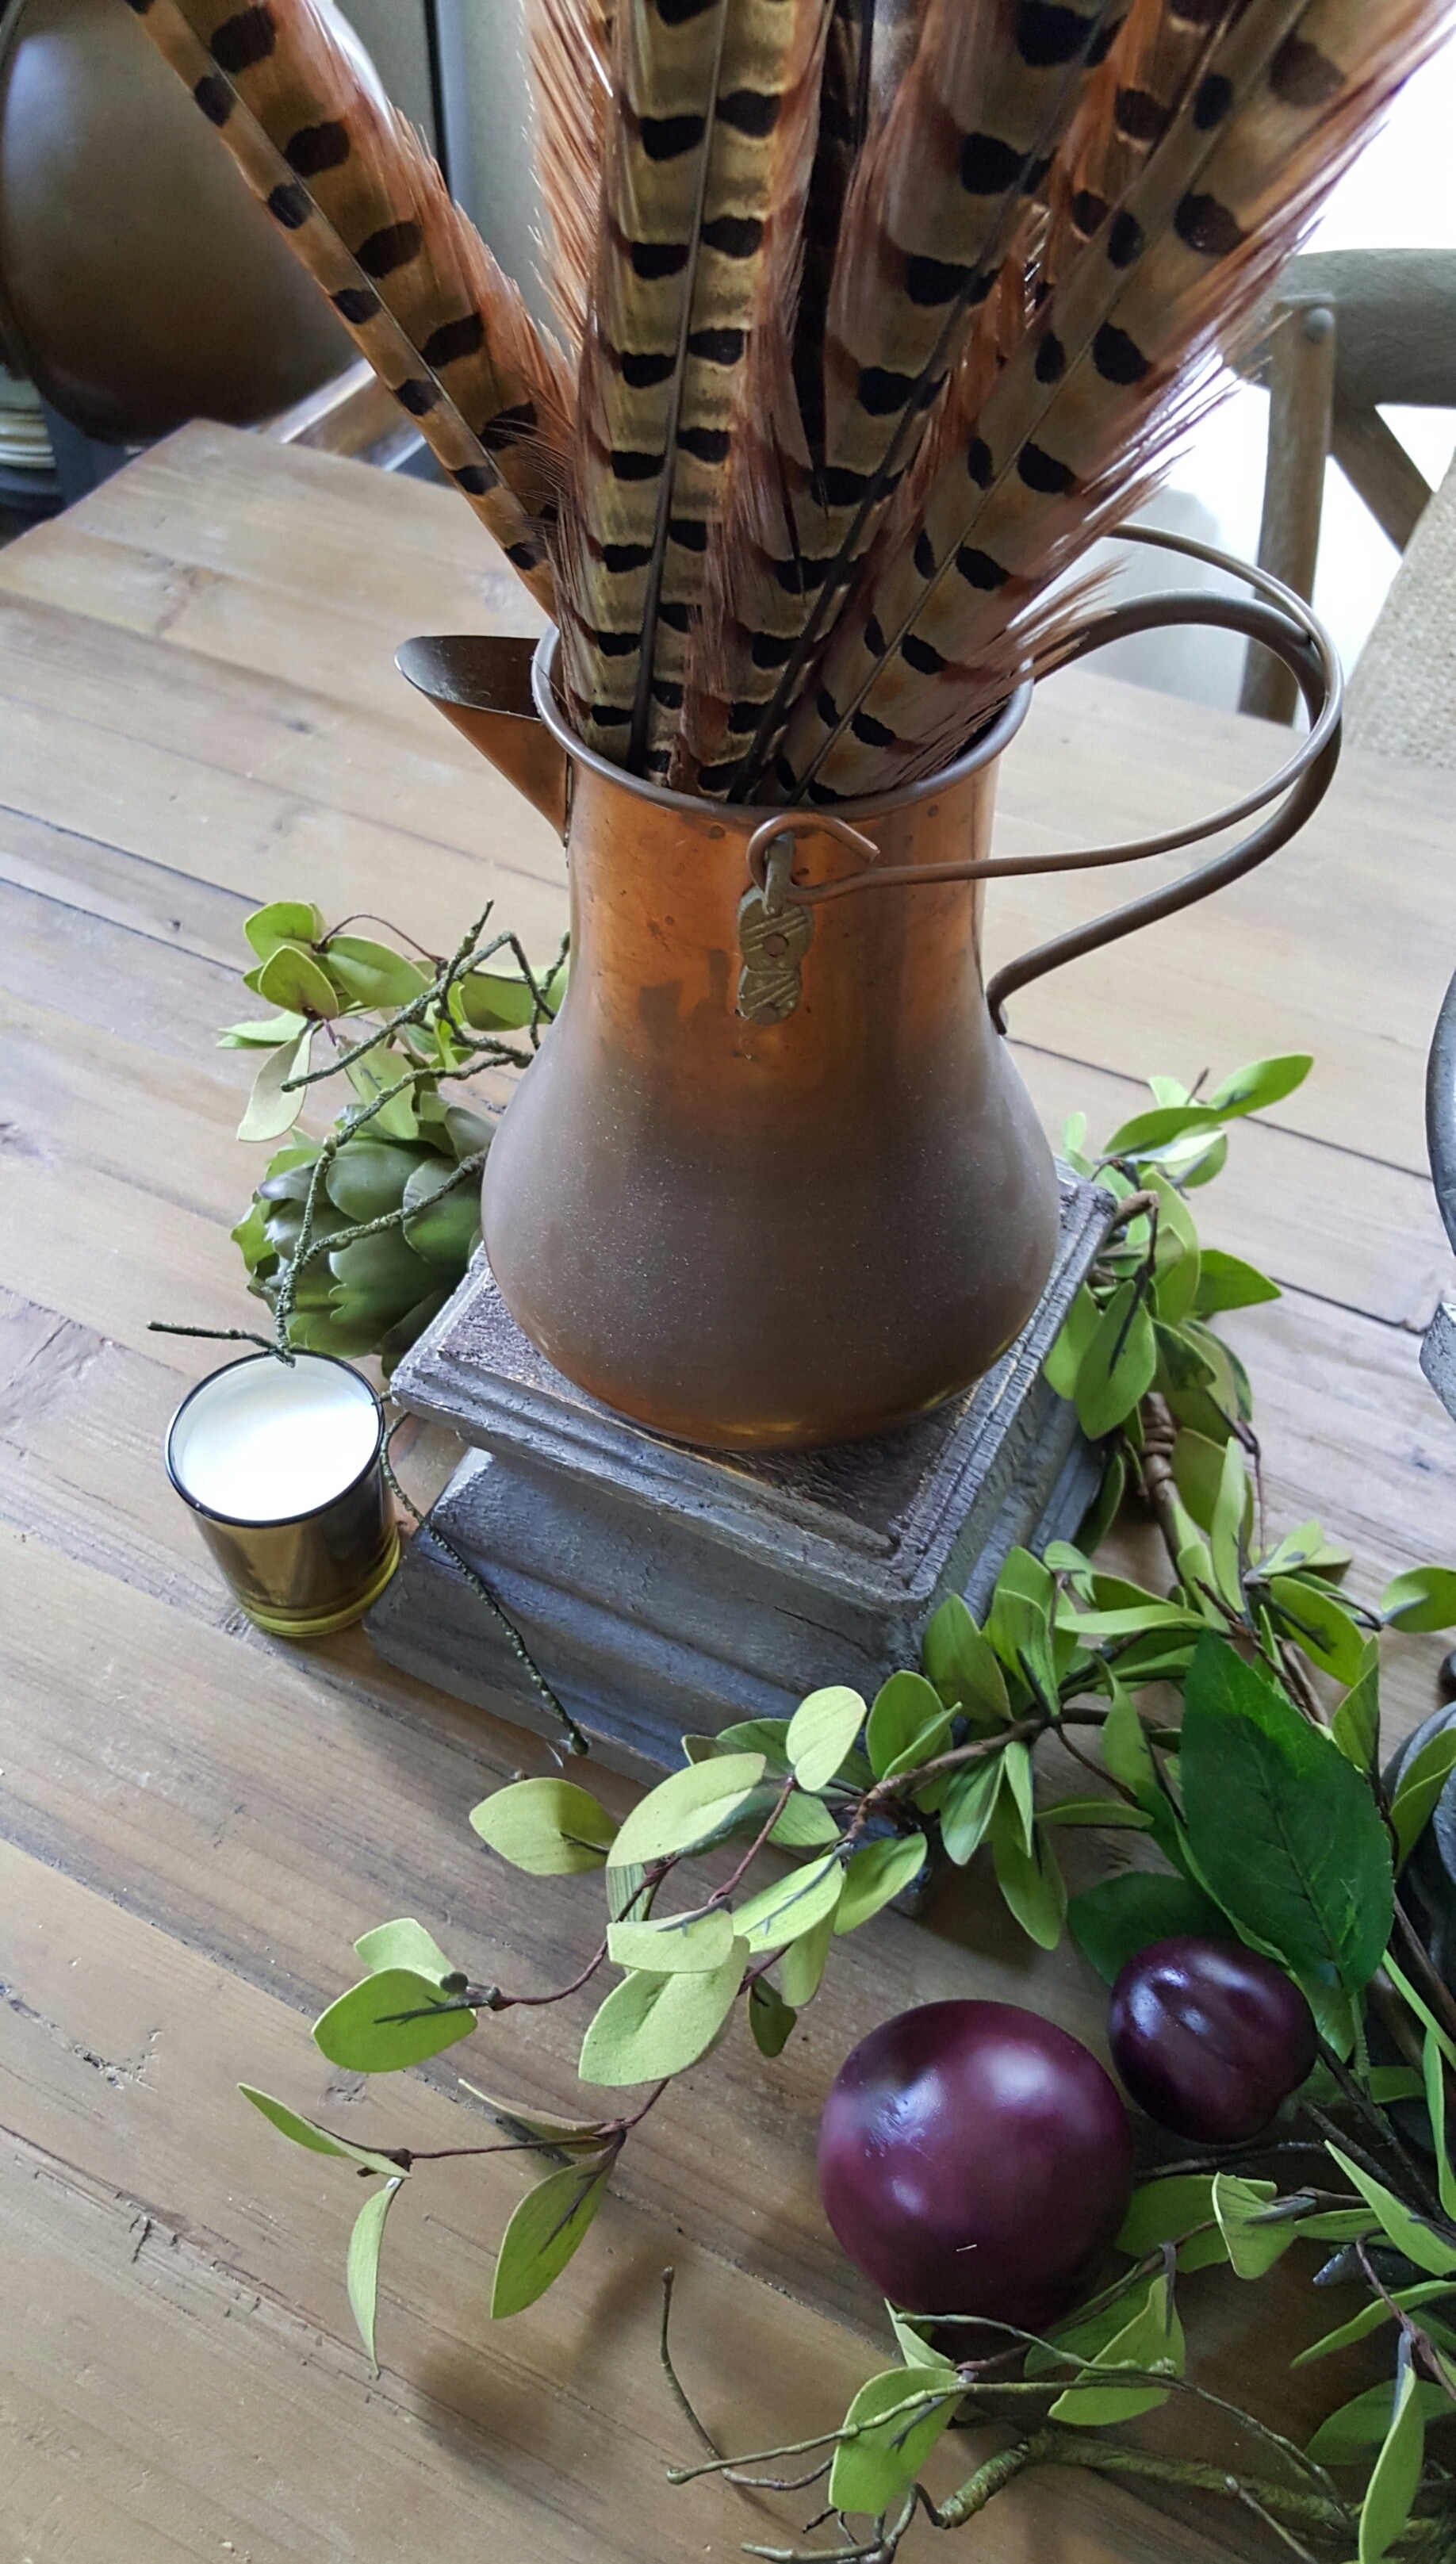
<point>1301,410</point>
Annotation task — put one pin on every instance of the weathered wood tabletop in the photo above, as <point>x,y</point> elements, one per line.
<point>198,713</point>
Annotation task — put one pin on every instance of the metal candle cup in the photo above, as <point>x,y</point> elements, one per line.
<point>281,1465</point>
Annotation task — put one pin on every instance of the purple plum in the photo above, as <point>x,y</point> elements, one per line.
<point>1210,2037</point>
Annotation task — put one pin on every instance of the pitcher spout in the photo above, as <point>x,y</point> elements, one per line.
<point>482,685</point>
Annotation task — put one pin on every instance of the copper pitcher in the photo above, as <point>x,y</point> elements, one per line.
<point>772,1180</point>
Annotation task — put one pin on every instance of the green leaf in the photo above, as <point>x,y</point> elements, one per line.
<point>673,1945</point>
<point>1328,1635</point>
<point>914,2350</point>
<point>284,921</point>
<point>1030,1881</point>
<point>545,2230</point>
<point>1307,1545</point>
<point>892,2443</point>
<point>1434,2080</point>
<point>1110,1922</point>
<point>1019,1623</point>
<point>1422,2010</point>
<point>1371,2318</point>
<point>496,1001</point>
<point>765,1735</point>
<point>1165,2211</point>
<point>1156,1129</point>
<point>393,2019</point>
<point>802,1965</point>
<point>1420,1785</point>
<point>307,2132</point>
<point>1064,1363</point>
<point>1355,1726</point>
<point>1261,1083</point>
<point>964,1665</point>
<point>624,1884</point>
<point>1363,2423</point>
<point>651,2026</point>
<point>367,1176</point>
<point>1019,1788</point>
<point>770,2019</point>
<point>1283,1830</point>
<point>361,2271</point>
<point>779,1914</point>
<point>876,1875</point>
<point>1074,1143</point>
<point>821,1732</point>
<point>1106,1505</point>
<point>906,1725</point>
<point>1128,1754</point>
<point>371,975</point>
<point>396,1119</point>
<point>1176,1256</point>
<point>441,1216</point>
<point>1410,2235</point>
<point>1114,1813</point>
<point>551,2134</point>
<point>1227,1528</point>
<point>1252,2249</point>
<point>405,1944</point>
<point>1394,2084</point>
<point>1423,1599</point>
<point>269,1112</point>
<point>1118,1367</point>
<point>292,977</point>
<point>688,1807</point>
<point>1152,2338</point>
<point>264,1033</point>
<point>1396,2479</point>
<point>1226,1282</point>
<point>549,1828</point>
<point>806,1825</point>
<point>968,1808</point>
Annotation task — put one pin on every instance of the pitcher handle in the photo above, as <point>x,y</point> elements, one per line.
<point>1283,622</point>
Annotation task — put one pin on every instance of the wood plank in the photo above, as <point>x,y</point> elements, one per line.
<point>222,2393</point>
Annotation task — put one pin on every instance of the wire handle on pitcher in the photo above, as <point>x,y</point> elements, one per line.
<point>1283,622</point>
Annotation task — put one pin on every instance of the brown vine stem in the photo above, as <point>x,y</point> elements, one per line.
<point>1433,1985</point>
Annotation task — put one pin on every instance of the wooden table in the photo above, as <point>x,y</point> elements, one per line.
<point>198,714</point>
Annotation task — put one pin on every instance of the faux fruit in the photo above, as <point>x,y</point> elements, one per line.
<point>1210,2037</point>
<point>975,2159</point>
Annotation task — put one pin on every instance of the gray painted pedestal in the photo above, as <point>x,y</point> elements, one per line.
<point>661,1588</point>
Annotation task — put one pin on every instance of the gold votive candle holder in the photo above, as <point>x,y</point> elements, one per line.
<point>282,1467</point>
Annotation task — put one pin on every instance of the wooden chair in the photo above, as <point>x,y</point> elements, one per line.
<point>1348,329</point>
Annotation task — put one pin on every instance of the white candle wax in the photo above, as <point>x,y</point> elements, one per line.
<point>262,1443</point>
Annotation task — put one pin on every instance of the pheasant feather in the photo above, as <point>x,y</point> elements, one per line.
<point>568,45</point>
<point>1281,100</point>
<point>415,372</point>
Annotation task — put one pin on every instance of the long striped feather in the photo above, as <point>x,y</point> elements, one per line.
<point>935,198</point>
<point>568,51</point>
<point>1283,100</point>
<point>415,375</point>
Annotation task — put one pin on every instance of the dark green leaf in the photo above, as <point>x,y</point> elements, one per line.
<point>1106,1505</point>
<point>1117,1367</point>
<point>544,2231</point>
<point>394,2020</point>
<point>1176,1257</point>
<point>1355,1726</point>
<point>1064,1362</point>
<point>367,1176</point>
<point>1019,1623</point>
<point>383,1269</point>
<point>362,2267</point>
<point>802,1965</point>
<point>1110,1922</point>
<point>443,1218</point>
<point>1283,1830</point>
<point>769,2018</point>
<point>1371,2318</point>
